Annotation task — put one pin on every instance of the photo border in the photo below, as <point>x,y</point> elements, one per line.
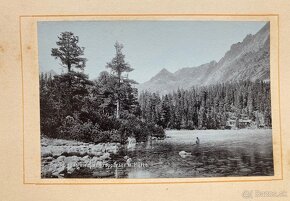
<point>30,49</point>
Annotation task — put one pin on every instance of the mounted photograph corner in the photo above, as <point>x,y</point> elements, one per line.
<point>155,99</point>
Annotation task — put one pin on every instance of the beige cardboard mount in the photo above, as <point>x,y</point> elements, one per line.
<point>19,70</point>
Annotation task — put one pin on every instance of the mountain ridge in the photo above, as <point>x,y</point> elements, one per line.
<point>246,60</point>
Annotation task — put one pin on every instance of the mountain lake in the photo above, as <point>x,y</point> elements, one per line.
<point>221,153</point>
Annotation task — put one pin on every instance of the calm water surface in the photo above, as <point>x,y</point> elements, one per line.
<point>220,153</point>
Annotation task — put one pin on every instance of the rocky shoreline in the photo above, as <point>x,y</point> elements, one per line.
<point>238,153</point>
<point>62,158</point>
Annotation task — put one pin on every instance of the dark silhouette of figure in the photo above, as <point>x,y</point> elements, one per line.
<point>197,140</point>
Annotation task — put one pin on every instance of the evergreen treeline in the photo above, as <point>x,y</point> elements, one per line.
<point>108,109</point>
<point>104,110</point>
<point>238,105</point>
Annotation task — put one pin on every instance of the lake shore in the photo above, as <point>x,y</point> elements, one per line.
<point>221,153</point>
<point>60,157</point>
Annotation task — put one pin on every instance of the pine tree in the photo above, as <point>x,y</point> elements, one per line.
<point>69,52</point>
<point>165,112</point>
<point>118,66</point>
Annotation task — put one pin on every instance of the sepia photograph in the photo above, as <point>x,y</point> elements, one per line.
<point>131,99</point>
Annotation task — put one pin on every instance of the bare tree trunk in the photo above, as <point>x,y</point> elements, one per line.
<point>118,99</point>
<point>70,85</point>
<point>68,67</point>
<point>118,109</point>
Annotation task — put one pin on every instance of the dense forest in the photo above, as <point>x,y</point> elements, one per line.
<point>103,110</point>
<point>109,108</point>
<point>224,106</point>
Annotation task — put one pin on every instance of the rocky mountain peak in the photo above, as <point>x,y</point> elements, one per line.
<point>246,60</point>
<point>162,75</point>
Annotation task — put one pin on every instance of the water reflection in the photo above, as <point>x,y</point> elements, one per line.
<point>175,158</point>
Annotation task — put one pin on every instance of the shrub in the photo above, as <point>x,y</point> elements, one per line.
<point>108,123</point>
<point>133,127</point>
<point>73,129</point>
<point>157,131</point>
<point>141,132</point>
<point>115,136</point>
<point>49,127</point>
<point>99,136</point>
<point>85,131</point>
<point>85,116</point>
<point>107,130</point>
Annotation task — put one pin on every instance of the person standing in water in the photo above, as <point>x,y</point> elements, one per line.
<point>197,140</point>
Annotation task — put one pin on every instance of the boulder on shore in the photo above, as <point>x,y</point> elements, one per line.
<point>184,154</point>
<point>61,157</point>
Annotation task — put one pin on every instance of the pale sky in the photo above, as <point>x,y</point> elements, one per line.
<point>149,46</point>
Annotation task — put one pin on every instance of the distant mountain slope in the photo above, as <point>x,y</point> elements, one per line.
<point>164,80</point>
<point>246,60</point>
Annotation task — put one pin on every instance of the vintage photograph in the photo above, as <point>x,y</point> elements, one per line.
<point>155,99</point>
